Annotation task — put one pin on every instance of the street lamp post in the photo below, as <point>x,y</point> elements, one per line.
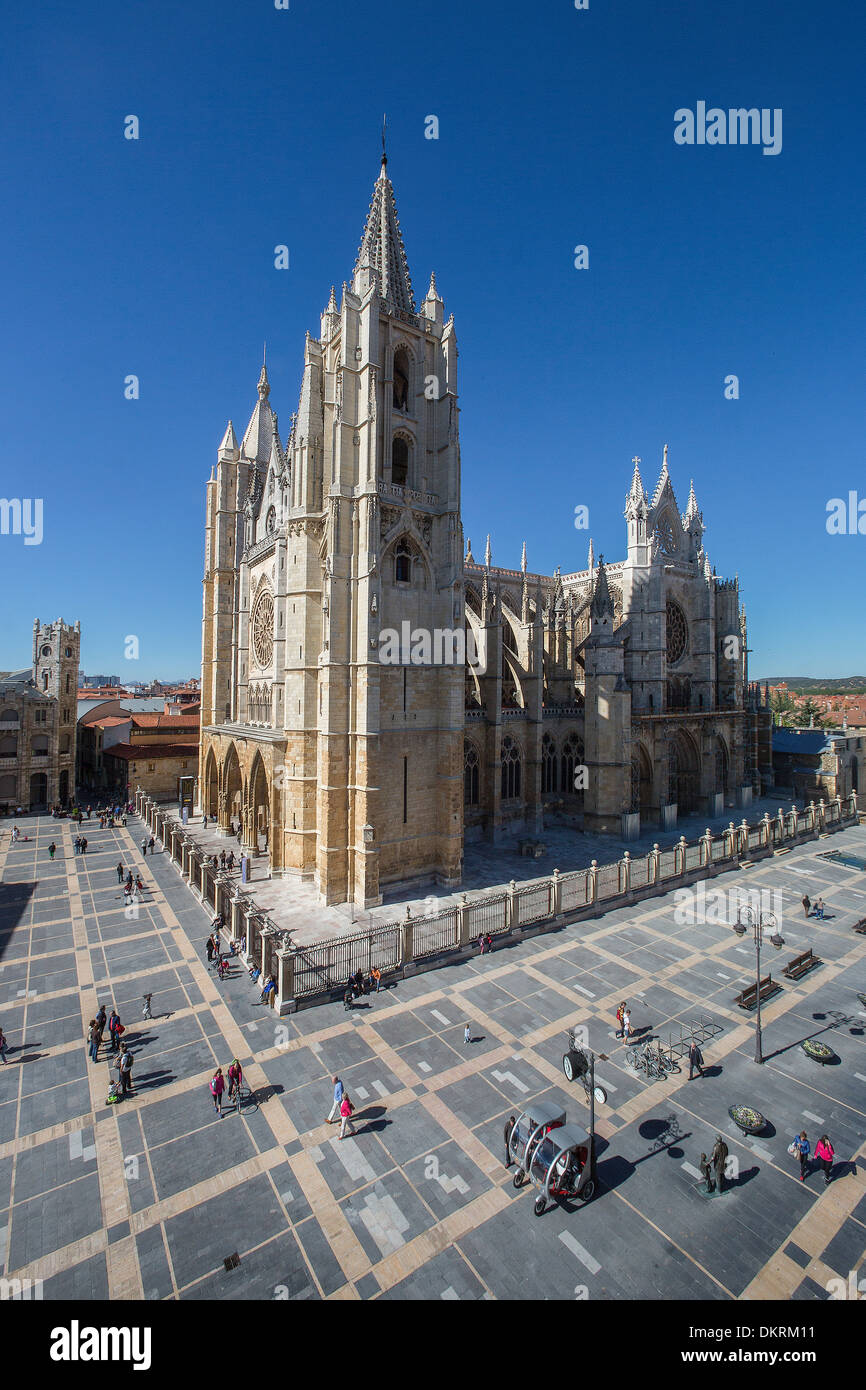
<point>757,920</point>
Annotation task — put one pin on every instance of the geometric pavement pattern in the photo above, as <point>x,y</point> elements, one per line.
<point>147,1198</point>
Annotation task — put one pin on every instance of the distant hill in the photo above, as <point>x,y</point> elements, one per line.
<point>814,685</point>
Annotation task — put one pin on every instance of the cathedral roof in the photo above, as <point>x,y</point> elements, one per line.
<point>382,246</point>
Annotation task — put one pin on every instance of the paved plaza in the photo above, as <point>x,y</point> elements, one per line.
<point>148,1198</point>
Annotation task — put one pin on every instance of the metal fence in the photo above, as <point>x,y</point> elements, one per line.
<point>608,881</point>
<point>431,935</point>
<point>574,891</point>
<point>533,904</point>
<point>488,915</point>
<point>330,963</point>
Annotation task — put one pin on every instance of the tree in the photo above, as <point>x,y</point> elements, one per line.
<point>781,703</point>
<point>810,713</point>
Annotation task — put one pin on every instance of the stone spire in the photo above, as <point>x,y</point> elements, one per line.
<point>601,607</point>
<point>590,561</point>
<point>692,504</point>
<point>487,552</point>
<point>382,248</point>
<point>229,446</point>
<point>663,478</point>
<point>470,559</point>
<point>636,491</point>
<point>259,432</point>
<point>523,558</point>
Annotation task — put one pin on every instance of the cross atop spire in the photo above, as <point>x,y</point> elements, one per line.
<point>663,477</point>
<point>382,246</point>
<point>264,384</point>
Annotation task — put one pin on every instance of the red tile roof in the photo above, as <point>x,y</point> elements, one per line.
<point>167,721</point>
<point>143,752</point>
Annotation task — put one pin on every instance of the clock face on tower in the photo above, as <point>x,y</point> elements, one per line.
<point>665,535</point>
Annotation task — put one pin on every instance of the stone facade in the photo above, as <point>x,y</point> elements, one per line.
<point>358,756</point>
<point>38,722</point>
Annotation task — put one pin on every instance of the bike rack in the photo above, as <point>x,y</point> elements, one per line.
<point>700,1032</point>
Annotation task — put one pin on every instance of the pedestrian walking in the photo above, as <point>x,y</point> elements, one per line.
<point>825,1153</point>
<point>52,850</point>
<point>114,1024</point>
<point>801,1148</point>
<point>204,822</point>
<point>83,845</point>
<point>209,948</point>
<point>120,873</point>
<point>144,845</point>
<point>138,883</point>
<point>4,1047</point>
<point>489,939</point>
<point>819,909</point>
<point>626,1024</point>
<point>348,996</point>
<point>346,1109</point>
<point>807,903</point>
<point>150,844</point>
<point>619,1013</point>
<point>338,1101</point>
<point>100,1021</point>
<point>231,860</point>
<point>93,1039</point>
<point>467,1036</point>
<point>76,844</point>
<point>223,860</point>
<point>217,1086</point>
<point>376,977</point>
<point>696,1059</point>
<point>509,1126</point>
<point>481,944</point>
<point>124,1068</point>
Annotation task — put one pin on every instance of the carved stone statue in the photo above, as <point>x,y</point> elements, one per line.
<point>707,1173</point>
<point>719,1158</point>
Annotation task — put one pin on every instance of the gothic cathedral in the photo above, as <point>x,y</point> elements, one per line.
<point>610,697</point>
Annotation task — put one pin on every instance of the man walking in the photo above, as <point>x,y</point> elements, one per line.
<point>150,844</point>
<point>120,873</point>
<point>93,1039</point>
<point>819,909</point>
<point>83,845</point>
<point>100,1021</point>
<point>124,1067</point>
<point>509,1126</point>
<point>52,850</point>
<point>338,1101</point>
<point>144,846</point>
<point>113,1025</point>
<point>696,1059</point>
<point>807,904</point>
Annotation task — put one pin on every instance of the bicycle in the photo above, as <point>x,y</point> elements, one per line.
<point>654,1063</point>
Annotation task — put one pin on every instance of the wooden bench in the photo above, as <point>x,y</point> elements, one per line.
<point>533,849</point>
<point>860,927</point>
<point>806,961</point>
<point>749,997</point>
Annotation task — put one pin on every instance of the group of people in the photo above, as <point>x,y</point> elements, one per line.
<point>817,907</point>
<point>122,1055</point>
<point>80,843</point>
<point>485,943</point>
<point>824,1154</point>
<point>623,1021</point>
<point>147,844</point>
<point>132,886</point>
<point>341,1110</point>
<point>228,1085</point>
<point>360,984</point>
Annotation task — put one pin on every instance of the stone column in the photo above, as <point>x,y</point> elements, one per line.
<point>407,952</point>
<point>625,873</point>
<point>707,847</point>
<point>780,820</point>
<point>654,864</point>
<point>511,906</point>
<point>730,840</point>
<point>744,836</point>
<point>765,830</point>
<point>284,974</point>
<point>463,921</point>
<point>592,886</point>
<point>681,849</point>
<point>556,893</point>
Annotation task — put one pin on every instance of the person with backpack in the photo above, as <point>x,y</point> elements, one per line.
<point>346,1109</point>
<point>124,1067</point>
<point>619,1013</point>
<point>825,1153</point>
<point>217,1086</point>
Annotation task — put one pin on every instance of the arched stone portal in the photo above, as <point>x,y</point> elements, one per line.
<point>211,786</point>
<point>232,789</point>
<point>260,804</point>
<point>683,774</point>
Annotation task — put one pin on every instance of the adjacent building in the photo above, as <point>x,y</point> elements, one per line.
<point>38,722</point>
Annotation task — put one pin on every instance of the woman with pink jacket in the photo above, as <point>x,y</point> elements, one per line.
<point>825,1153</point>
<point>217,1086</point>
<point>346,1112</point>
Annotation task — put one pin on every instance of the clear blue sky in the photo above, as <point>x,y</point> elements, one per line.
<point>261,127</point>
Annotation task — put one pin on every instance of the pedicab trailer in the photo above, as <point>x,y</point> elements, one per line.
<point>531,1126</point>
<point>576,1065</point>
<point>563,1166</point>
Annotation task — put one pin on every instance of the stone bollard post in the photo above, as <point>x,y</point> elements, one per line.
<point>625,873</point>
<point>556,894</point>
<point>655,858</point>
<point>511,912</point>
<point>592,886</point>
<point>463,921</point>
<point>284,1002</point>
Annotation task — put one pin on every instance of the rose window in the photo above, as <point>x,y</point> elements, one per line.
<point>677,633</point>
<point>263,628</point>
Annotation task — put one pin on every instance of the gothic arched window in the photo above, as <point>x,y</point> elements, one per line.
<point>402,563</point>
<point>572,758</point>
<point>510,760</point>
<point>401,379</point>
<point>399,461</point>
<point>677,632</point>
<point>471,775</point>
<point>548,764</point>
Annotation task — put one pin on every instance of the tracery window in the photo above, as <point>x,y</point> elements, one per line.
<point>548,764</point>
<point>677,632</point>
<point>510,765</point>
<point>471,775</point>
